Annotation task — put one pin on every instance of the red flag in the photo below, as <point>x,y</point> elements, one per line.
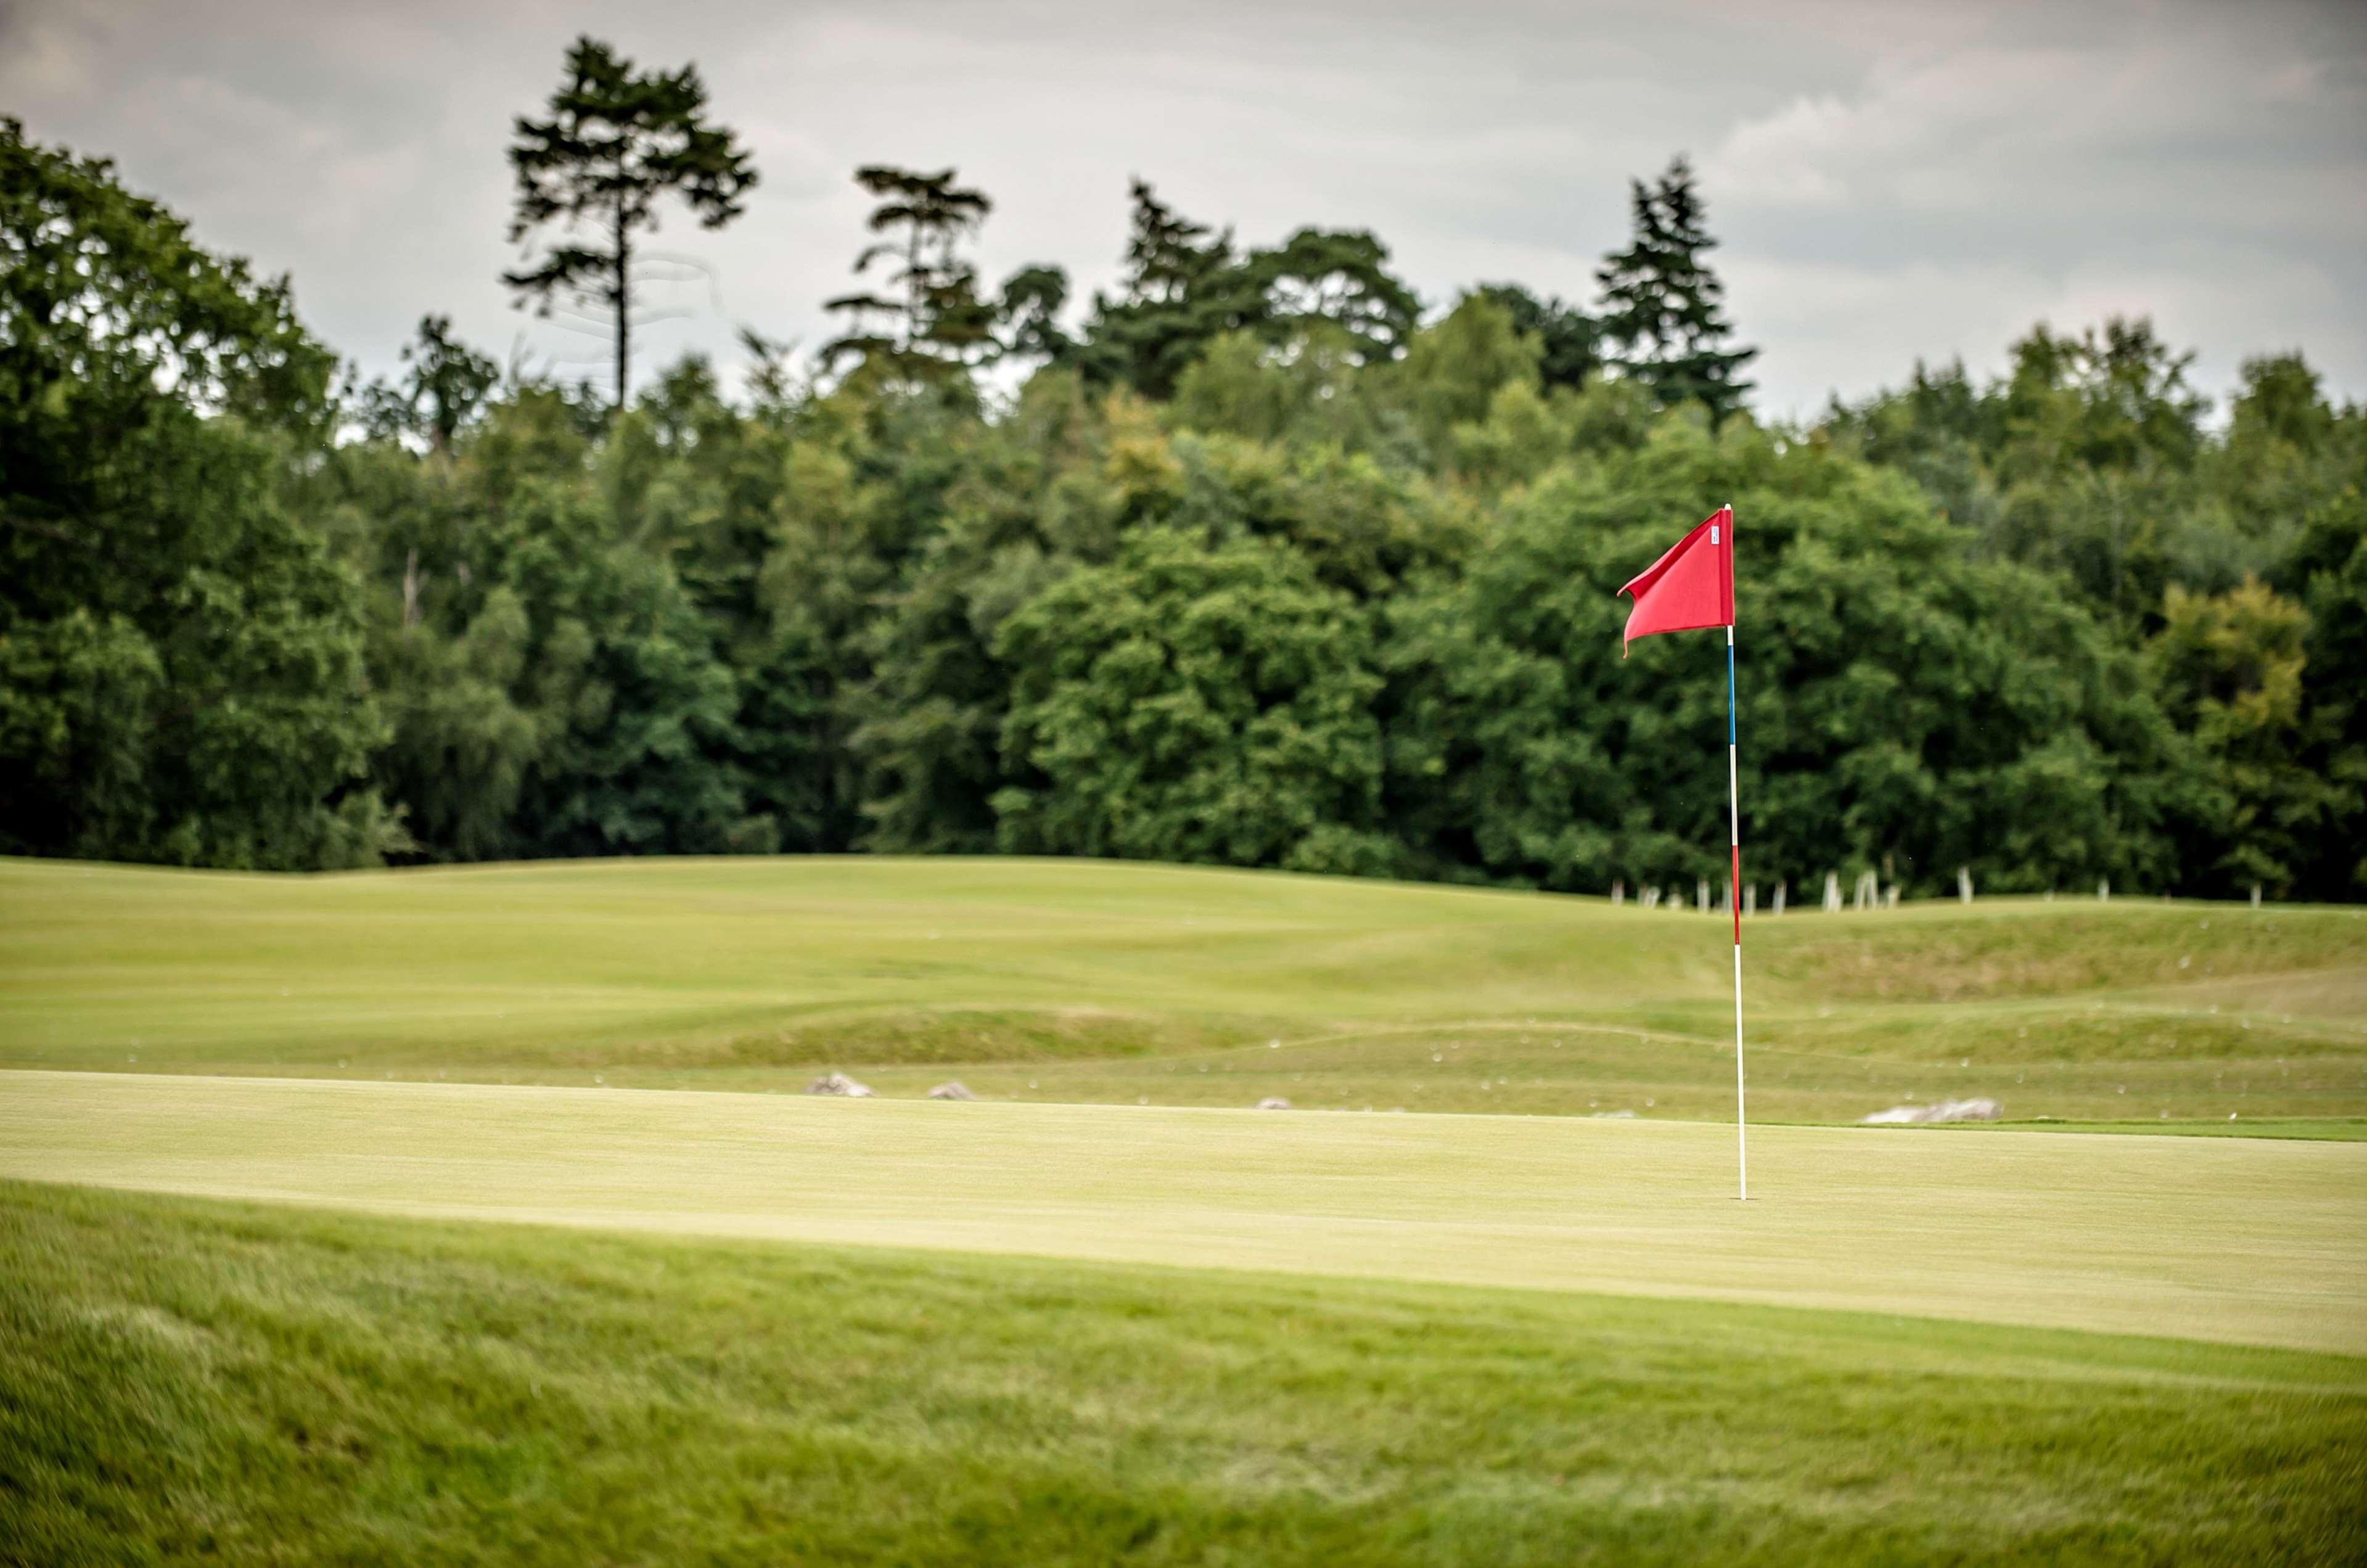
<point>1689,588</point>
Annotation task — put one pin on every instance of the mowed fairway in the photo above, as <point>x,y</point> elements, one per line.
<point>1126,983</point>
<point>2242,1240</point>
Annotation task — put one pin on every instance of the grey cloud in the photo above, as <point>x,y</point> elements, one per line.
<point>1890,181</point>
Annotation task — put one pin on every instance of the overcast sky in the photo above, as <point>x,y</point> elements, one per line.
<point>1889,180</point>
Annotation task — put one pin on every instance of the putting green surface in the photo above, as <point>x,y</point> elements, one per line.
<point>1077,981</point>
<point>2245,1241</point>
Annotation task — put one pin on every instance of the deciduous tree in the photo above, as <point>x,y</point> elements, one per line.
<point>181,674</point>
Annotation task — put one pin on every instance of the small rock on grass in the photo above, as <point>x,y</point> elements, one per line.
<point>1273,1102</point>
<point>841,1085</point>
<point>957,1090</point>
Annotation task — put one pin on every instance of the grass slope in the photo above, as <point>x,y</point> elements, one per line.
<point>2245,1240</point>
<point>184,1382</point>
<point>1083,981</point>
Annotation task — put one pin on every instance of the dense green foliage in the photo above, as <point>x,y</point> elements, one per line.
<point>1252,564</point>
<point>182,672</point>
<point>195,1381</point>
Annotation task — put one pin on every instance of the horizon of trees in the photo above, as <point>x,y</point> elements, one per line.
<point>1249,561</point>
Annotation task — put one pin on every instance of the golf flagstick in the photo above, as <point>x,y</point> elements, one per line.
<point>1691,589</point>
<point>1734,901</point>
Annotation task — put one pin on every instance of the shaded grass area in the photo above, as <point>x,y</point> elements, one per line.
<point>1124,983</point>
<point>182,1380</point>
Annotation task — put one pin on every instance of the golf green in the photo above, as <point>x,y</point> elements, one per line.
<point>2250,1241</point>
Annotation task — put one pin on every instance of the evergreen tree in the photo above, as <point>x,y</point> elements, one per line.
<point>934,320</point>
<point>617,140</point>
<point>1187,288</point>
<point>1663,308</point>
<point>1168,255</point>
<point>1182,289</point>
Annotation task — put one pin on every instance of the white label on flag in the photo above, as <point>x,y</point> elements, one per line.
<point>1713,533</point>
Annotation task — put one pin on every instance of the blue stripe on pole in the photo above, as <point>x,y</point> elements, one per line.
<point>1729,690</point>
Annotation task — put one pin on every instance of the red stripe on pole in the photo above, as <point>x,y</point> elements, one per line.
<point>1734,895</point>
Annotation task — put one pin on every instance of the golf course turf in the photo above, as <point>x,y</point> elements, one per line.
<point>199,1381</point>
<point>1042,980</point>
<point>2246,1240</point>
<point>249,1126</point>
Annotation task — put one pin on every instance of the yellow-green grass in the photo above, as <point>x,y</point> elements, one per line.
<point>1117,982</point>
<point>184,1381</point>
<point>2246,1240</point>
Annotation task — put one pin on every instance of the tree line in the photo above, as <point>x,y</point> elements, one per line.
<point>1251,560</point>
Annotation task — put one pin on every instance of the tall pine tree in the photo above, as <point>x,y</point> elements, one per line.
<point>617,140</point>
<point>1663,309</point>
<point>1183,286</point>
<point>933,321</point>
